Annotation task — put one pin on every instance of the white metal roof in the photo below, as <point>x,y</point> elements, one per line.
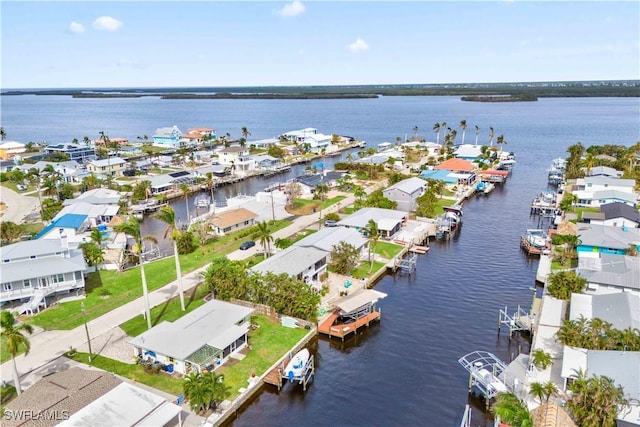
<point>358,299</point>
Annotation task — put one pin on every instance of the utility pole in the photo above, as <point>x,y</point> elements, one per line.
<point>86,329</point>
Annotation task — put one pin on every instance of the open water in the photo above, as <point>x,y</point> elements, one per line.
<point>402,371</point>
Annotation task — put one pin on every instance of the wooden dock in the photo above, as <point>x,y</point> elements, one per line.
<point>421,250</point>
<point>529,248</point>
<point>341,331</point>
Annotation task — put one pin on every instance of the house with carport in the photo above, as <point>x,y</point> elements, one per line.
<point>406,192</point>
<point>203,339</point>
<point>170,181</point>
<point>389,221</point>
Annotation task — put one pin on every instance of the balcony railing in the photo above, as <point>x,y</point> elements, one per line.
<point>23,293</point>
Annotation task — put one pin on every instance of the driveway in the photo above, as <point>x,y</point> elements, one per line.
<point>17,205</point>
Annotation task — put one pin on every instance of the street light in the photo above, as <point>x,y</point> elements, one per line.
<point>86,329</point>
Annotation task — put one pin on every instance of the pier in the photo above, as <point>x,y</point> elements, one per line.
<point>519,320</point>
<point>351,313</point>
<point>487,374</point>
<point>276,376</point>
<point>529,248</point>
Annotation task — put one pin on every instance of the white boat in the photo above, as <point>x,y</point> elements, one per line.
<point>537,238</point>
<point>297,364</point>
<point>488,188</point>
<point>202,201</point>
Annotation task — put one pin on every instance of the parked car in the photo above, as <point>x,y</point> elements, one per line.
<point>331,223</point>
<point>21,187</point>
<point>246,245</point>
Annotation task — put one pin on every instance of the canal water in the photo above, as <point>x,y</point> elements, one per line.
<point>404,370</point>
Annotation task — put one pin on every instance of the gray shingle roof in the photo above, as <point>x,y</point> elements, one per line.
<point>620,210</point>
<point>623,367</point>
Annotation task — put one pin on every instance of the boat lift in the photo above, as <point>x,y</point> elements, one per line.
<point>520,320</point>
<point>305,378</point>
<point>488,374</point>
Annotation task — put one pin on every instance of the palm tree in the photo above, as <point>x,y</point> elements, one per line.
<point>543,391</point>
<point>210,182</point>
<point>500,141</point>
<point>186,191</point>
<point>477,133</point>
<point>131,227</point>
<point>196,391</point>
<point>96,236</point>
<point>415,132</point>
<point>436,129</point>
<point>374,235</point>
<point>14,339</point>
<point>491,135</point>
<point>263,235</point>
<point>245,132</point>
<point>167,215</point>
<point>541,359</point>
<point>3,134</point>
<point>463,126</point>
<point>511,410</point>
<point>595,401</point>
<point>86,140</point>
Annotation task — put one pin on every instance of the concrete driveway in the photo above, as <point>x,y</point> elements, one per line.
<point>17,205</point>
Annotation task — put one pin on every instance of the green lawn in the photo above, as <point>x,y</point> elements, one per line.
<point>107,290</point>
<point>387,250</point>
<point>332,201</point>
<point>268,342</point>
<point>362,272</point>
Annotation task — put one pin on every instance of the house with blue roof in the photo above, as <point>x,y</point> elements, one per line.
<point>71,224</point>
<point>439,175</point>
<point>167,137</point>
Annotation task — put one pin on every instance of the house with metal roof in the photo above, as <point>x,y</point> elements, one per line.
<point>440,175</point>
<point>468,151</point>
<point>308,183</point>
<point>77,152</point>
<point>406,192</point>
<point>594,191</point>
<point>97,196</point>
<point>608,273</point>
<point>603,171</point>
<point>170,181</point>
<point>595,238</point>
<point>37,272</point>
<point>96,214</point>
<point>305,263</point>
<point>202,339</point>
<point>328,237</point>
<point>389,221</point>
<point>167,137</point>
<point>618,214</point>
<point>71,224</point>
<point>232,220</point>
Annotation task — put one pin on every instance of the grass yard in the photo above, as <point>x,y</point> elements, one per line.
<point>107,290</point>
<point>362,272</point>
<point>387,250</point>
<point>310,206</point>
<point>161,381</point>
<point>4,352</point>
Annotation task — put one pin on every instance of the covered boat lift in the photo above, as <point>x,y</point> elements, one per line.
<point>488,374</point>
<point>352,312</point>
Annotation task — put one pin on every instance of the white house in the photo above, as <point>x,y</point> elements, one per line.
<point>328,237</point>
<point>237,158</point>
<point>305,263</point>
<point>97,196</point>
<point>389,221</point>
<point>71,224</point>
<point>594,191</point>
<point>609,273</point>
<point>77,152</point>
<point>202,339</point>
<point>232,220</point>
<point>36,272</point>
<point>618,215</point>
<point>406,192</point>
<point>96,214</point>
<point>71,170</point>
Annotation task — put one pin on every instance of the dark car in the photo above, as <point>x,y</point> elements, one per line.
<point>330,223</point>
<point>246,245</point>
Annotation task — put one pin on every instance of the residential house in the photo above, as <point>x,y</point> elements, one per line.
<point>36,272</point>
<point>263,143</point>
<point>232,220</point>
<point>71,224</point>
<point>316,141</point>
<point>266,162</point>
<point>298,136</point>
<point>167,137</point>
<point>215,170</point>
<point>462,170</point>
<point>604,171</point>
<point>594,191</point>
<point>96,214</point>
<point>9,149</point>
<point>468,152</point>
<point>89,397</point>
<point>304,263</point>
<point>204,131</point>
<point>308,183</point>
<point>70,171</point>
<point>618,215</point>
<point>389,221</point>
<point>596,239</point>
<point>77,152</point>
<point>170,181</point>
<point>406,192</point>
<point>202,339</point>
<point>328,237</point>
<point>608,273</point>
<point>112,166</point>
<point>97,196</point>
<point>237,158</point>
<point>7,165</point>
<point>446,176</point>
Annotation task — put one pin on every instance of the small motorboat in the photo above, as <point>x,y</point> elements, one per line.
<point>295,367</point>
<point>202,201</point>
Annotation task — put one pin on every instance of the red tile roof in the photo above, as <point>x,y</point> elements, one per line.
<point>456,165</point>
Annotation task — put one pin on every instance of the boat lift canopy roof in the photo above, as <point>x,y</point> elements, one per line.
<point>358,299</point>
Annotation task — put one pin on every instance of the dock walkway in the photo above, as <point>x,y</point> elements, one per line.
<point>341,331</point>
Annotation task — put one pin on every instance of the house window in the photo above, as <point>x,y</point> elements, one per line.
<point>26,283</point>
<point>7,286</point>
<point>58,278</point>
<point>32,257</point>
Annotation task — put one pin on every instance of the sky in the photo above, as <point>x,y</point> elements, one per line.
<point>84,44</point>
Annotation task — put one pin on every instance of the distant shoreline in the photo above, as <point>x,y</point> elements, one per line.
<point>482,92</point>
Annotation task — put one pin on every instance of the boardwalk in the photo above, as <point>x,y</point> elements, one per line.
<point>342,330</point>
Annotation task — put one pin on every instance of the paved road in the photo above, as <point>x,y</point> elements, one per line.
<point>46,346</point>
<point>18,205</point>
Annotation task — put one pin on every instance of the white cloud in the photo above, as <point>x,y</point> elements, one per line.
<point>76,27</point>
<point>357,46</point>
<point>291,9</point>
<point>107,23</point>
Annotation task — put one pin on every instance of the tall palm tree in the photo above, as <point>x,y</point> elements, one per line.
<point>436,129</point>
<point>512,410</point>
<point>263,235</point>
<point>210,185</point>
<point>374,235</point>
<point>3,134</point>
<point>477,133</point>
<point>167,215</point>
<point>463,126</point>
<point>500,141</point>
<point>86,140</point>
<point>96,236</point>
<point>14,338</point>
<point>131,227</point>
<point>491,136</point>
<point>415,132</point>
<point>186,192</point>
<point>245,132</point>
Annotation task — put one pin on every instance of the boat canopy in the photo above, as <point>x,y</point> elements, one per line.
<point>359,299</point>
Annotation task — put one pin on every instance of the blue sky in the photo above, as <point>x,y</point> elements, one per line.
<point>222,43</point>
